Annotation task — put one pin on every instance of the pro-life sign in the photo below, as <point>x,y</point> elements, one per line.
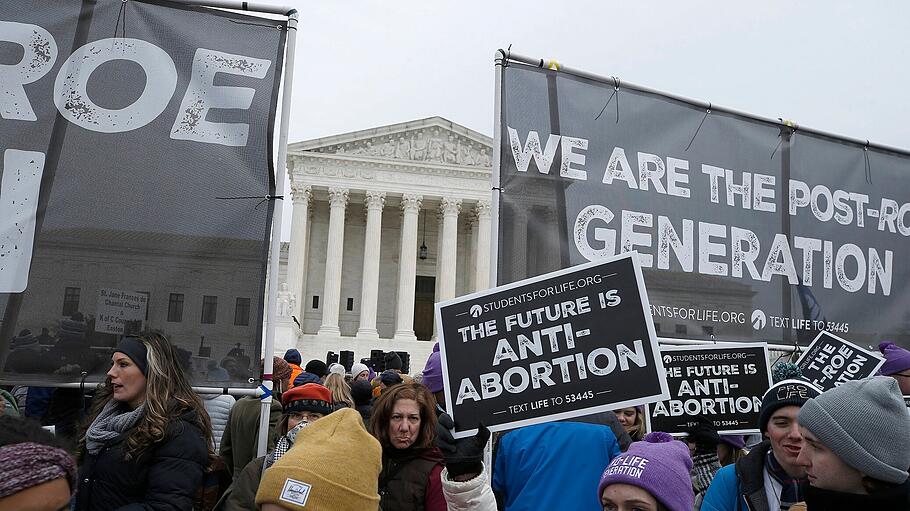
<point>722,382</point>
<point>830,361</point>
<point>560,345</point>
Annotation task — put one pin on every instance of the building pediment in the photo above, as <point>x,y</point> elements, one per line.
<point>432,140</point>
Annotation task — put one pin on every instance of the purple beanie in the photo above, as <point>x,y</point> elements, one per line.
<point>897,359</point>
<point>660,466</point>
<point>432,372</point>
<point>735,441</point>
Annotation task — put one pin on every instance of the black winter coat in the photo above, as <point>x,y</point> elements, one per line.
<point>165,478</point>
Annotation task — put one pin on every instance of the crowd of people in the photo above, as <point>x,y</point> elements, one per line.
<point>357,440</point>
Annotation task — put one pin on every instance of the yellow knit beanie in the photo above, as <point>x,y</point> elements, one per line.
<point>333,466</point>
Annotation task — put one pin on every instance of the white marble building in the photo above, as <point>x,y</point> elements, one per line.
<point>355,275</point>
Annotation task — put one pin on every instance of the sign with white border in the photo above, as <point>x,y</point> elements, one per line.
<point>723,382</point>
<point>830,361</point>
<point>565,344</point>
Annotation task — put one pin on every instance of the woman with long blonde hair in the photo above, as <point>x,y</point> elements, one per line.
<point>341,391</point>
<point>149,439</point>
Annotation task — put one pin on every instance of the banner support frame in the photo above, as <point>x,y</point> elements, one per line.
<point>499,58</point>
<point>275,242</point>
<point>780,123</point>
<point>242,6</point>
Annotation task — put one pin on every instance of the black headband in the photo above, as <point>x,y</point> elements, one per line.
<point>136,350</point>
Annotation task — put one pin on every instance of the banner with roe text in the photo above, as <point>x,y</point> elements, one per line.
<point>560,345</point>
<point>136,143</point>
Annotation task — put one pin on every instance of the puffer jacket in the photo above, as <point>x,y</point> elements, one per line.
<point>472,495</point>
<point>164,478</point>
<point>218,407</point>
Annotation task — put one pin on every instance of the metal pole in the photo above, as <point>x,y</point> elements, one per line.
<point>698,342</point>
<point>702,104</point>
<point>275,246</point>
<point>499,58</point>
<point>240,6</point>
<point>199,390</point>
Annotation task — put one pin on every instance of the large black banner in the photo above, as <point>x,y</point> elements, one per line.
<point>722,382</point>
<point>137,150</point>
<point>748,230</point>
<point>560,345</point>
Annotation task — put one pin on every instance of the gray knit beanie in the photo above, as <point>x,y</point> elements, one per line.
<point>862,422</point>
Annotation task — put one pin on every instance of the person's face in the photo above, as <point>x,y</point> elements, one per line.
<point>786,441</point>
<point>295,418</point>
<point>404,425</point>
<point>362,376</point>
<point>50,496</point>
<point>825,469</point>
<point>903,380</point>
<point>627,417</point>
<point>625,497</point>
<point>127,379</point>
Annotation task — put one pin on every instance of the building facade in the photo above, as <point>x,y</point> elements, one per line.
<point>386,222</point>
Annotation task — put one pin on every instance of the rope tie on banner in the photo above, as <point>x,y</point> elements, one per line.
<point>82,384</point>
<point>262,197</point>
<point>121,16</point>
<point>708,111</point>
<point>780,139</point>
<point>615,94</point>
<point>868,165</point>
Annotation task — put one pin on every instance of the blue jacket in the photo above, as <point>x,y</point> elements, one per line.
<point>741,486</point>
<point>553,466</point>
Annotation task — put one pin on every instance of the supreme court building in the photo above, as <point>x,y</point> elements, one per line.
<point>386,222</point>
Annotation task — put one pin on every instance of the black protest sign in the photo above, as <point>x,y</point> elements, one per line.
<point>560,345</point>
<point>722,382</point>
<point>907,401</point>
<point>830,361</point>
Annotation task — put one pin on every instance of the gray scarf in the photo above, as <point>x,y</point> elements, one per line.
<point>109,424</point>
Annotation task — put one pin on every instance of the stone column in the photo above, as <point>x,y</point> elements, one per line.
<point>370,293</point>
<point>297,252</point>
<point>445,268</point>
<point>407,268</point>
<point>338,201</point>
<point>482,249</point>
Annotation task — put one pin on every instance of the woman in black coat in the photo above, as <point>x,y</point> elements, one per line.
<point>150,438</point>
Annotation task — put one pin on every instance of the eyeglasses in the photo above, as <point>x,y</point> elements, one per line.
<point>901,375</point>
<point>306,416</point>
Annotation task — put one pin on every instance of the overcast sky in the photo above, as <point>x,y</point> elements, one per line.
<point>833,65</point>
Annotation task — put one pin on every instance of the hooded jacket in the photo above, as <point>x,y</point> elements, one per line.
<point>164,478</point>
<point>218,407</point>
<point>553,466</point>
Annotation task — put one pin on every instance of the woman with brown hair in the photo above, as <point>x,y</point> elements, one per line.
<point>150,438</point>
<point>633,420</point>
<point>341,391</point>
<point>404,422</point>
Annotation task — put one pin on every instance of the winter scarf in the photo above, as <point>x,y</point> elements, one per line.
<point>284,445</point>
<point>109,424</point>
<point>793,490</point>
